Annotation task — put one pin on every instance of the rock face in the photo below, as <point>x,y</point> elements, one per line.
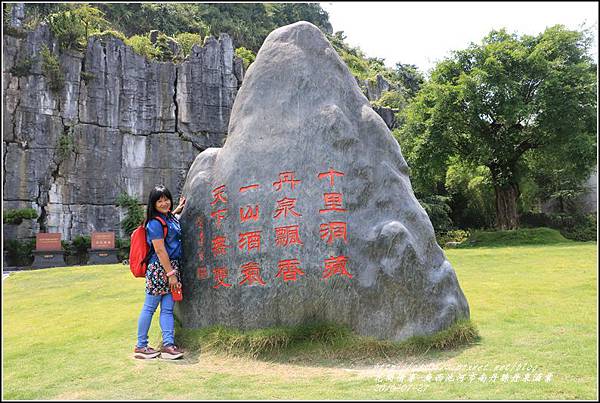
<point>120,123</point>
<point>307,212</point>
<point>373,90</point>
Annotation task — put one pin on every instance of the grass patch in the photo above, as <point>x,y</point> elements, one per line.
<point>522,236</point>
<point>339,341</point>
<point>68,334</point>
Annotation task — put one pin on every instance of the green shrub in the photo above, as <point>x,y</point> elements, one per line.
<point>68,29</point>
<point>76,251</point>
<point>16,216</point>
<point>110,33</point>
<point>51,69</point>
<point>66,144</point>
<point>458,235</point>
<point>391,99</point>
<point>22,68</point>
<point>578,227</point>
<point>142,45</point>
<point>135,213</point>
<point>438,210</point>
<point>19,252</point>
<point>123,248</point>
<point>187,40</point>
<point>87,76</point>
<point>74,26</point>
<point>523,236</point>
<point>163,48</point>
<point>246,55</point>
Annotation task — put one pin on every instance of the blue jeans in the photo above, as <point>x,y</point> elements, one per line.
<point>167,321</point>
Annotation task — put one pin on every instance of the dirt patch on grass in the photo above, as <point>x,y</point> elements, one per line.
<point>393,368</point>
<point>231,365</point>
<point>241,365</point>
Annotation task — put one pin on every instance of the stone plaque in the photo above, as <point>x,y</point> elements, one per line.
<point>103,240</point>
<point>49,242</point>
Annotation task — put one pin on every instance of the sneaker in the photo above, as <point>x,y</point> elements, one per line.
<point>171,352</point>
<point>144,353</point>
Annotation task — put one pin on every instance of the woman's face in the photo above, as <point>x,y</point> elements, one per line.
<point>163,205</point>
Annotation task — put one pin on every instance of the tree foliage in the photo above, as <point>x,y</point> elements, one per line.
<point>73,26</point>
<point>187,40</point>
<point>246,55</point>
<point>502,104</point>
<point>134,215</point>
<point>247,23</point>
<point>16,216</point>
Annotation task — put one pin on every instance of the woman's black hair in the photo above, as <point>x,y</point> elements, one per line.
<point>156,193</point>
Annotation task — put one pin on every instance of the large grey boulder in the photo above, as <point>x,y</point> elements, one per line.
<point>300,112</point>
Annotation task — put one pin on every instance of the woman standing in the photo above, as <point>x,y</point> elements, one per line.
<point>162,273</point>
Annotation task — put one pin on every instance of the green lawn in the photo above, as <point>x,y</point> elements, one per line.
<point>68,333</point>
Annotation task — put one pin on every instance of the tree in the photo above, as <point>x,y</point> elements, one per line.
<point>134,215</point>
<point>73,26</point>
<point>410,77</point>
<point>505,102</point>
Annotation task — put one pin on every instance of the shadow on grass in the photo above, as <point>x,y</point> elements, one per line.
<point>324,344</point>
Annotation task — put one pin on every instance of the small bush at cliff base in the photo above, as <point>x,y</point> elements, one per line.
<point>19,252</point>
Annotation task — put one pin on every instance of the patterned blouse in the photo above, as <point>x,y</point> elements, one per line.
<point>157,282</point>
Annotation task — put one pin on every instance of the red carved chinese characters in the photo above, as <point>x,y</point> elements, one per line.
<point>286,177</point>
<point>246,188</point>
<point>288,269</point>
<point>333,202</point>
<point>284,206</point>
<point>200,243</point>
<point>251,273</point>
<point>218,195</point>
<point>220,275</point>
<point>249,213</point>
<point>289,235</point>
<point>336,265</point>
<point>220,214</point>
<point>331,174</point>
<point>333,230</point>
<point>219,246</point>
<point>250,240</point>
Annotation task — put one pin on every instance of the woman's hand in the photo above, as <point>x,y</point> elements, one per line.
<point>179,208</point>
<point>173,281</point>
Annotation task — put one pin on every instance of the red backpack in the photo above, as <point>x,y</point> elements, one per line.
<point>139,249</point>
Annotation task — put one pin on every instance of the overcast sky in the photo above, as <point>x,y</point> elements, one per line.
<point>421,33</point>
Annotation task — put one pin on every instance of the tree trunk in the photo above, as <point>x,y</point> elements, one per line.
<point>506,206</point>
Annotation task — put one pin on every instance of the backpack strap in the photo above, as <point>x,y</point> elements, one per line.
<point>165,232</point>
<point>164,225</point>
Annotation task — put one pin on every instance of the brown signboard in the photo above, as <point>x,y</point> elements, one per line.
<point>103,240</point>
<point>49,242</point>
